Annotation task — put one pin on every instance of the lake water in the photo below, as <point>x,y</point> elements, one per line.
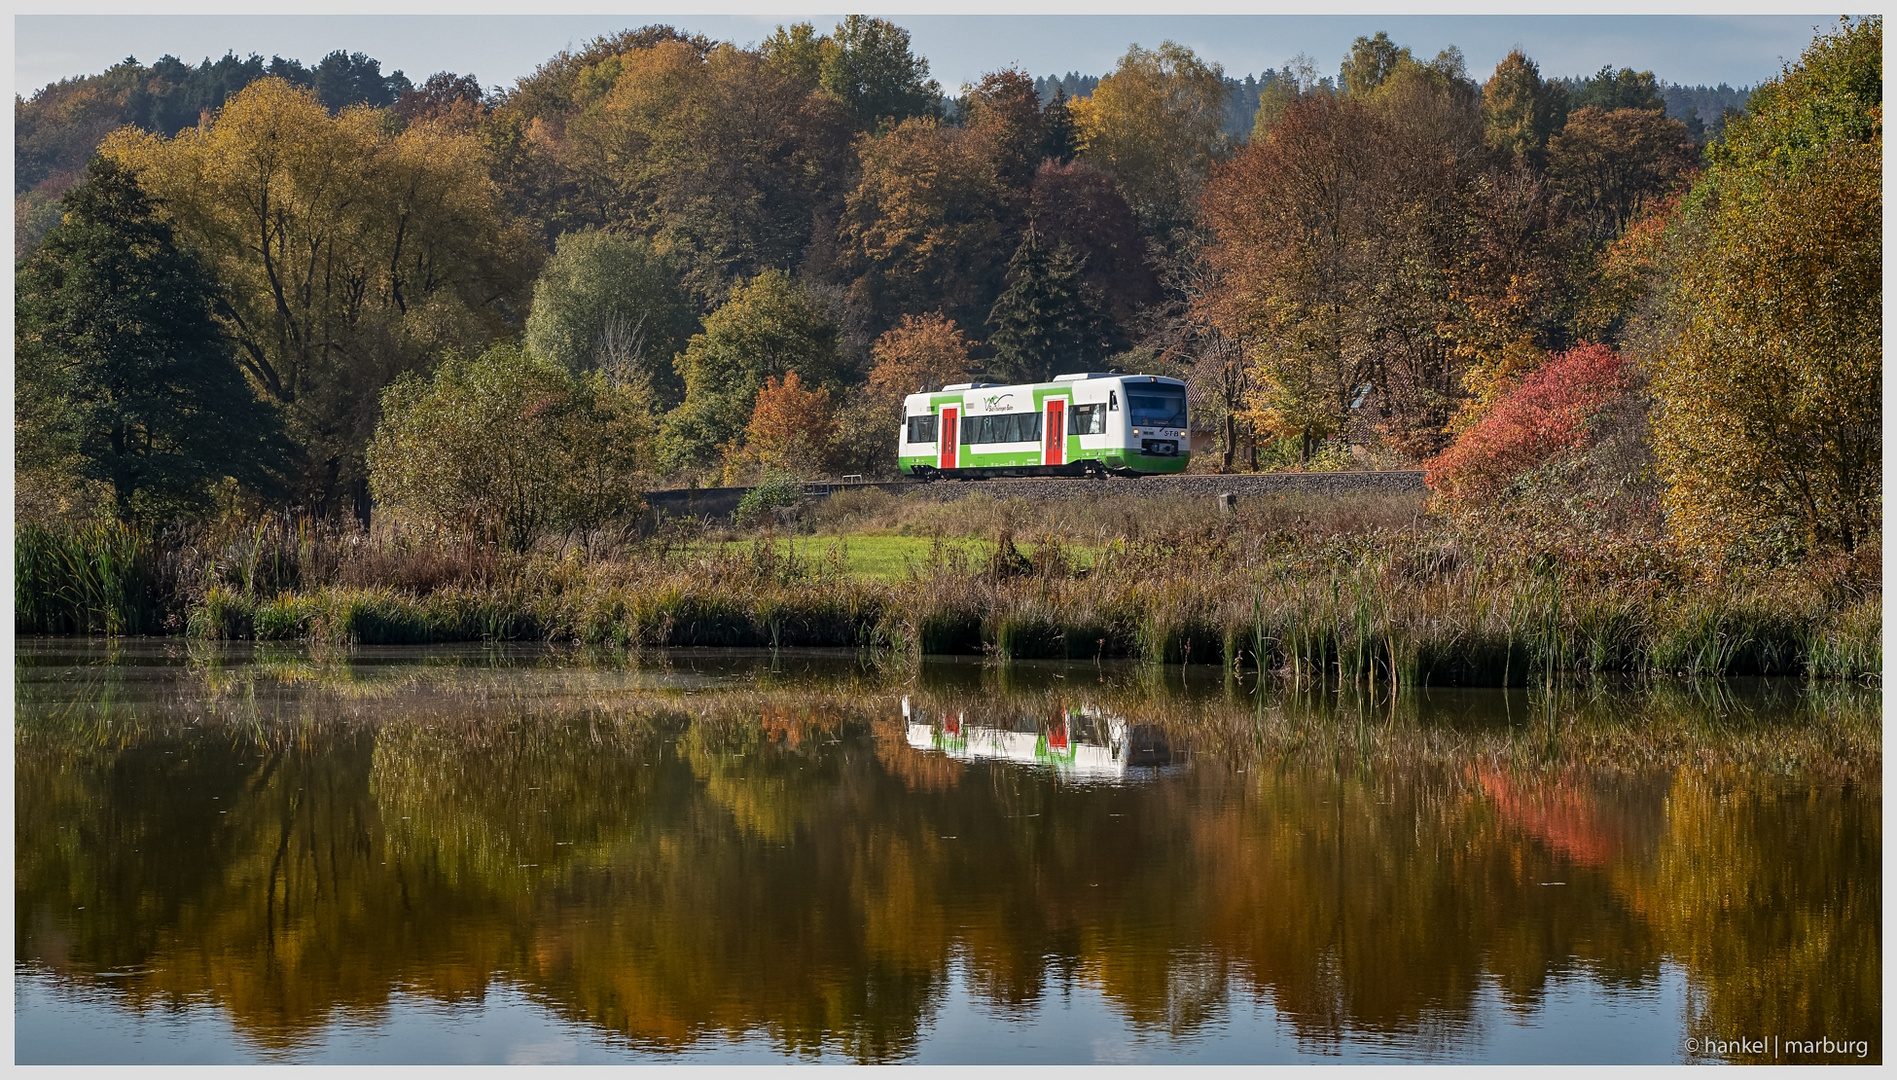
<point>476,855</point>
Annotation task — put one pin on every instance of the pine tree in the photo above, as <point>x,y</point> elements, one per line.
<point>123,374</point>
<point>1057,126</point>
<point>1048,320</point>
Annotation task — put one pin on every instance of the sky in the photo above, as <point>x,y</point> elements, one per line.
<point>498,49</point>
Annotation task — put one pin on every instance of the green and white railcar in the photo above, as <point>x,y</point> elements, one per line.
<point>1078,424</point>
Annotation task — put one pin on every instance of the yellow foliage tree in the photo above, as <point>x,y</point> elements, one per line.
<point>1768,364</point>
<point>1156,125</point>
<point>351,251</point>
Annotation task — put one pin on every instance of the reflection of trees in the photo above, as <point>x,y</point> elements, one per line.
<point>1771,895</point>
<point>776,859</point>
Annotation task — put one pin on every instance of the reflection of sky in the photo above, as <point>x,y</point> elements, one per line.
<point>1577,1021</point>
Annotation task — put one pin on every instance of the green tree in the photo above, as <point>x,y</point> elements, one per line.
<point>1059,138</point>
<point>1371,63</point>
<point>612,303</point>
<point>123,374</point>
<point>871,70</point>
<point>798,51</point>
<point>508,447</point>
<point>1049,320</point>
<point>1624,89</point>
<point>728,163</point>
<point>1521,111</point>
<point>769,327</point>
<point>1768,352</point>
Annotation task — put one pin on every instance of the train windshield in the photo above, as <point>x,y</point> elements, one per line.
<point>1157,406</point>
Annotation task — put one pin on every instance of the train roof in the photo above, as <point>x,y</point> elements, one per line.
<point>1081,376</point>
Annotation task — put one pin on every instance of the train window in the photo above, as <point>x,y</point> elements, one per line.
<point>1087,420</point>
<point>1160,406</point>
<point>1001,428</point>
<point>922,429</point>
<point>1113,401</point>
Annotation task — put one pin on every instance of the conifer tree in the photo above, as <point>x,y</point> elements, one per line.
<point>123,375</point>
<point>1058,139</point>
<point>1048,320</point>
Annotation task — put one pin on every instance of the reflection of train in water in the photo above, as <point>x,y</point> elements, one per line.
<point>1083,744</point>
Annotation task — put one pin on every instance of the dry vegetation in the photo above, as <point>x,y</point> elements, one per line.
<point>1369,591</point>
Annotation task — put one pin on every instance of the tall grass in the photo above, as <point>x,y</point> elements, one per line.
<point>1377,608</point>
<point>99,578</point>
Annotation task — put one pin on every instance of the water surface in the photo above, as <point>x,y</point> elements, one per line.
<point>469,855</point>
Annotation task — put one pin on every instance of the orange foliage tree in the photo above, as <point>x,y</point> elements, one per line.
<point>920,352</point>
<point>792,428</point>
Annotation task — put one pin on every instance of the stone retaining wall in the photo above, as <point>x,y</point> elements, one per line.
<point>722,502</point>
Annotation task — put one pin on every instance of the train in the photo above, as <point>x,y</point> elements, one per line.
<point>1084,424</point>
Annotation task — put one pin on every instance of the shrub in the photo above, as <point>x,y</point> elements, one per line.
<point>1545,416</point>
<point>776,490</point>
<point>507,447</point>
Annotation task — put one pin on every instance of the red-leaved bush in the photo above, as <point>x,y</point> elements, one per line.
<point>1542,417</point>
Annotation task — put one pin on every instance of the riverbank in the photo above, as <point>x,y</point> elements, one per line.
<point>1368,591</point>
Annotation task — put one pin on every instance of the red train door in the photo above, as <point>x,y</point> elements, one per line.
<point>946,435</point>
<point>1054,433</point>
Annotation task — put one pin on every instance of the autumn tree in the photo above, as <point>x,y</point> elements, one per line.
<point>1521,112</point>
<point>61,125</point>
<point>1767,356</point>
<point>508,448</point>
<point>723,159</point>
<point>350,255</point>
<point>919,353</point>
<point>1604,165</point>
<point>1290,222</point>
<point>768,327</point>
<point>1284,89</point>
<point>1540,416</point>
<point>1425,167</point>
<point>930,224</point>
<point>1335,247</point>
<point>1003,113</point>
<point>123,375</point>
<point>791,429</point>
<point>615,304</point>
<point>456,100</point>
<point>1156,123</point>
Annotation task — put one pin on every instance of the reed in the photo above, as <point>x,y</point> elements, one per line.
<point>1377,609</point>
<point>98,578</point>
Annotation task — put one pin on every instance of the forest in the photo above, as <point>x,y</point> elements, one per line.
<point>1608,315</point>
